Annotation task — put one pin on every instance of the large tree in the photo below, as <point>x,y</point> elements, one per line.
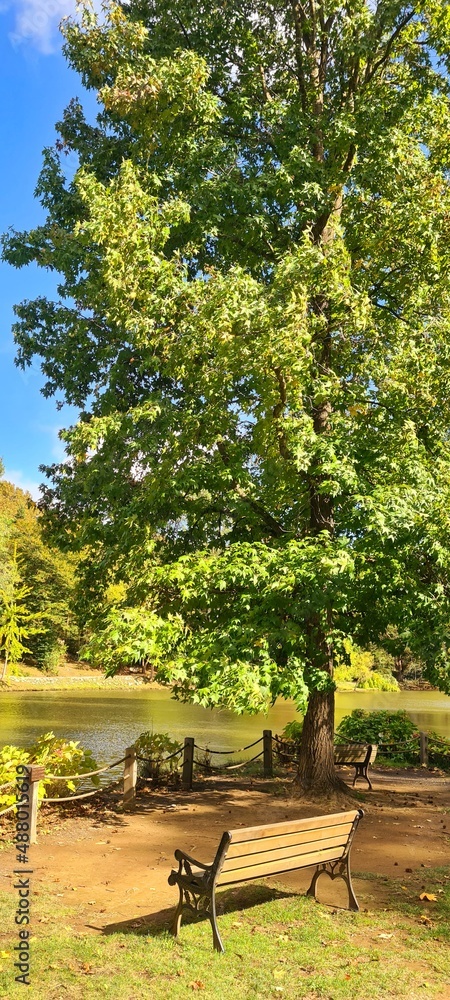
<point>254,319</point>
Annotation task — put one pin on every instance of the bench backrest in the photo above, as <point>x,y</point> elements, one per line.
<point>258,851</point>
<point>355,753</point>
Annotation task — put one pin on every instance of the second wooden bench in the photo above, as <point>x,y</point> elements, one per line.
<point>259,851</point>
<point>357,755</point>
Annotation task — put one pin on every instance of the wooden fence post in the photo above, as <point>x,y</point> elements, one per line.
<point>188,762</point>
<point>424,749</point>
<point>36,772</point>
<point>129,776</point>
<point>267,753</point>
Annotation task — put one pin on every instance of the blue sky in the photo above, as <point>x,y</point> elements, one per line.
<point>36,85</point>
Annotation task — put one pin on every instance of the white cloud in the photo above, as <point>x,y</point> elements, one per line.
<point>58,447</point>
<point>37,22</point>
<point>17,477</point>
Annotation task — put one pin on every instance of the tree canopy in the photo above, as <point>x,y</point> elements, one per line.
<point>254,320</point>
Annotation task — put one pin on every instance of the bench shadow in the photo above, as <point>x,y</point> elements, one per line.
<point>229,901</point>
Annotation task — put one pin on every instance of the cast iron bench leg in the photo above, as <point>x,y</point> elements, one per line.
<point>178,914</point>
<point>361,772</point>
<point>335,869</point>
<point>217,941</point>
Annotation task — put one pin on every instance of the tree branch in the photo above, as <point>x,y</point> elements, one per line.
<point>284,449</point>
<point>370,72</point>
<point>267,518</point>
<point>299,17</point>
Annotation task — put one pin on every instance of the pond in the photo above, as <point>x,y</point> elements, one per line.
<point>107,722</point>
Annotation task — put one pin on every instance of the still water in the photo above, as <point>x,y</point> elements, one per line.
<point>107,722</point>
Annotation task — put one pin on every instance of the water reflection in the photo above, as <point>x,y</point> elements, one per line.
<point>109,722</point>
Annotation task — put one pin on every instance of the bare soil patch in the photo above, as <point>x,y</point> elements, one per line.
<point>112,867</point>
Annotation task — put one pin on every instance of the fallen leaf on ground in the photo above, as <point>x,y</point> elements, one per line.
<point>429,897</point>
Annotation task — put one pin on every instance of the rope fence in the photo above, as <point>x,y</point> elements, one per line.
<point>72,798</point>
<point>153,760</point>
<point>226,767</point>
<point>241,749</point>
<point>85,774</point>
<point>420,749</point>
<point>8,784</point>
<point>4,811</point>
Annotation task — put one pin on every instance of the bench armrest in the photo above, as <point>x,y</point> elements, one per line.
<point>181,856</point>
<point>184,867</point>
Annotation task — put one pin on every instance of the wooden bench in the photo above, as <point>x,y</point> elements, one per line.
<point>258,851</point>
<point>357,755</point>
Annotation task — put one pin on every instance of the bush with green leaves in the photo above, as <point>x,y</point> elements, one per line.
<point>156,748</point>
<point>287,746</point>
<point>10,758</point>
<point>396,734</point>
<point>293,731</point>
<point>63,757</point>
<point>60,757</point>
<point>380,727</point>
<point>52,654</point>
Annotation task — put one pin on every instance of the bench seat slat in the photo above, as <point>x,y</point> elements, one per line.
<point>292,826</point>
<point>279,867</point>
<point>298,853</point>
<point>237,850</point>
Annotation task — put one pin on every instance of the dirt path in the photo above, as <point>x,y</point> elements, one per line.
<point>116,865</point>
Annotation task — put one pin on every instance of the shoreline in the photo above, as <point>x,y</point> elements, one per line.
<point>127,682</point>
<point>86,681</point>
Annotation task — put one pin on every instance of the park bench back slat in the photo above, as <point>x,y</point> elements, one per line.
<point>291,826</point>
<point>286,840</point>
<point>354,753</point>
<point>261,851</point>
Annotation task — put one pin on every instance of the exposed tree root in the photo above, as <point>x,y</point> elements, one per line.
<point>333,795</point>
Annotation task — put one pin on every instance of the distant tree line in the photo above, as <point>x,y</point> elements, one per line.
<point>38,616</point>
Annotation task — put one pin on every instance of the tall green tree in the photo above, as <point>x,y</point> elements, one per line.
<point>254,319</point>
<point>47,574</point>
<point>17,622</point>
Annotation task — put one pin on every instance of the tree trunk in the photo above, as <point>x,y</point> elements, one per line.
<point>316,771</point>
<point>5,667</point>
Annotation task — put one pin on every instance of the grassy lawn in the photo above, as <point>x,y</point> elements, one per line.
<point>277,945</point>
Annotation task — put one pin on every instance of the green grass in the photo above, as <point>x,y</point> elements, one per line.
<point>277,945</point>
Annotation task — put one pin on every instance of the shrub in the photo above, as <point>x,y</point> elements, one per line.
<point>377,727</point>
<point>394,732</point>
<point>396,735</point>
<point>293,731</point>
<point>288,745</point>
<point>438,752</point>
<point>10,758</point>
<point>53,656</point>
<point>157,747</point>
<point>59,757</point>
